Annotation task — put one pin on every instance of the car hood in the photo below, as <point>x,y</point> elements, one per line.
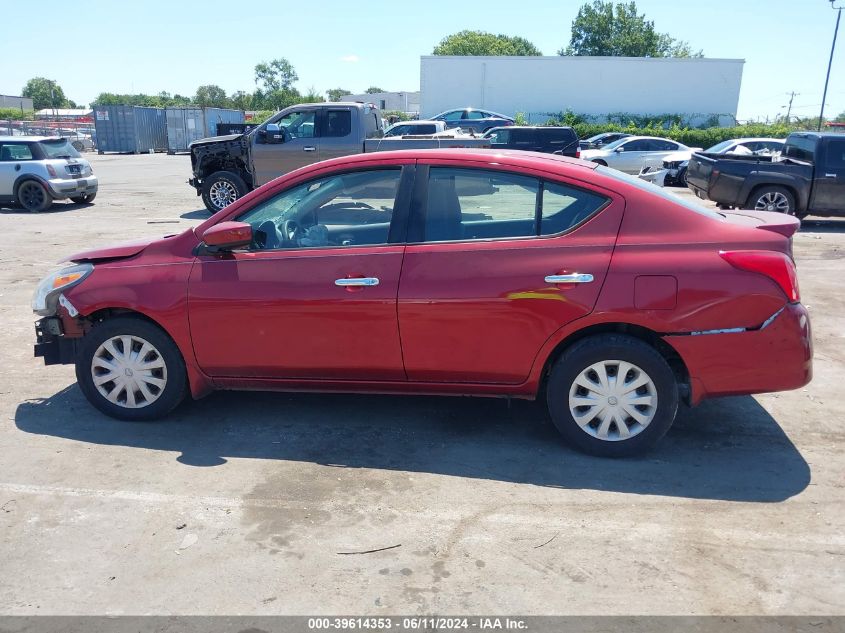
<point>117,251</point>
<point>678,156</point>
<point>215,139</point>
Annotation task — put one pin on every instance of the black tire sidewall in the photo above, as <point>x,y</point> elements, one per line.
<point>757,193</point>
<point>174,390</point>
<point>616,347</point>
<point>222,176</point>
<point>48,199</point>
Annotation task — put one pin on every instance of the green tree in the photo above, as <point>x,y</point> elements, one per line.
<point>335,94</point>
<point>606,28</point>
<point>242,100</point>
<point>840,118</point>
<point>482,43</point>
<point>312,96</point>
<point>211,96</point>
<point>278,74</point>
<point>372,90</point>
<point>45,93</point>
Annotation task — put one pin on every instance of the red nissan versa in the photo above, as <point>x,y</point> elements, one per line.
<point>444,272</point>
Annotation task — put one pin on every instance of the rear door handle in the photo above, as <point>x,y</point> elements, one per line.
<point>357,281</point>
<point>830,175</point>
<point>309,148</point>
<point>574,278</point>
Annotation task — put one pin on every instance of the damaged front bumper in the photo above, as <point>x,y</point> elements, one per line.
<point>51,343</point>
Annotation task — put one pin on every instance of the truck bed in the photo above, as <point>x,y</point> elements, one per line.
<point>424,142</point>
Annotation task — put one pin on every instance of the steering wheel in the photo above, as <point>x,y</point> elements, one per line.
<point>291,231</point>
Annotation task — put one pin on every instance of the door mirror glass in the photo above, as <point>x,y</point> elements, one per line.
<point>228,235</point>
<point>619,149</point>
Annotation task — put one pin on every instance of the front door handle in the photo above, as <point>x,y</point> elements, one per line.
<point>309,148</point>
<point>357,281</point>
<point>574,278</point>
<point>830,175</point>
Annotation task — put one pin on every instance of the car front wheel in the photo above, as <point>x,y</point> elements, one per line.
<point>612,395</point>
<point>221,189</point>
<point>130,369</point>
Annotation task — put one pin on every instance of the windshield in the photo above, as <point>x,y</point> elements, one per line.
<point>58,148</point>
<point>719,147</point>
<point>660,191</point>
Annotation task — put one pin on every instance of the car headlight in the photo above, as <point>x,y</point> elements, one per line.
<point>46,297</point>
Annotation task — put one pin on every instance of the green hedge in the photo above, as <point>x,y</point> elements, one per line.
<point>691,137</point>
<point>16,114</point>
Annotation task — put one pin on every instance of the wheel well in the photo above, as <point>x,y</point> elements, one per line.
<point>110,313</point>
<point>672,358</point>
<point>212,165</point>
<point>27,178</point>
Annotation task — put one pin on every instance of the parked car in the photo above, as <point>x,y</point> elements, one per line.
<point>600,140</point>
<point>672,169</point>
<point>546,139</point>
<point>407,128</point>
<point>80,142</point>
<point>631,153</point>
<point>472,119</point>
<point>226,168</point>
<point>508,273</point>
<point>808,180</point>
<point>35,171</point>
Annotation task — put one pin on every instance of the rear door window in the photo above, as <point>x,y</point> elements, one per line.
<point>477,204</point>
<point>338,123</point>
<point>836,154</point>
<point>800,148</point>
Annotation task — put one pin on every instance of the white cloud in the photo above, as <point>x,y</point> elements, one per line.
<point>350,59</point>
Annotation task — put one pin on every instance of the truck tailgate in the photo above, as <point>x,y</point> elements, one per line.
<point>698,173</point>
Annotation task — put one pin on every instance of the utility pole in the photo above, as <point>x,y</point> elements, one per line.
<point>792,95</point>
<point>830,62</point>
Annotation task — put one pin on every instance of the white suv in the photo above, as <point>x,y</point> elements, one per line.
<point>37,170</point>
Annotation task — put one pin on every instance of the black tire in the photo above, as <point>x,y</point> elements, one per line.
<point>611,347</point>
<point>85,198</point>
<point>772,193</point>
<point>225,179</point>
<point>176,381</point>
<point>681,180</point>
<point>78,146</point>
<point>33,196</point>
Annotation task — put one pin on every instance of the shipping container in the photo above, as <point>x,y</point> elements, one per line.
<point>184,126</point>
<point>130,129</point>
<point>213,116</point>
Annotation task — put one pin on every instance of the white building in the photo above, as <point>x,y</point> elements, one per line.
<point>19,103</point>
<point>698,88</point>
<point>408,102</point>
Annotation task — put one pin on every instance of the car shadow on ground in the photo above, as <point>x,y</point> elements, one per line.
<point>811,225</point>
<point>56,207</point>
<point>199,214</point>
<point>728,449</point>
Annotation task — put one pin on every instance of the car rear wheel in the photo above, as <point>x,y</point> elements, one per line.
<point>130,369</point>
<point>33,196</point>
<point>85,198</point>
<point>78,146</point>
<point>772,198</point>
<point>612,395</point>
<point>222,189</point>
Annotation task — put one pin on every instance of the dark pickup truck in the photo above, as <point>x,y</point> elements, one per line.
<point>808,180</point>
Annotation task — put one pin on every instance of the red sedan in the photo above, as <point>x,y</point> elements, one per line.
<point>444,272</point>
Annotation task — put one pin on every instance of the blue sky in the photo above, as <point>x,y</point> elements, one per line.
<point>176,45</point>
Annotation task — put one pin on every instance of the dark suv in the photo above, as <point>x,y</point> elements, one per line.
<point>548,139</point>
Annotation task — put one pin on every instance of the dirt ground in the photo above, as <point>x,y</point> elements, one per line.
<point>245,503</point>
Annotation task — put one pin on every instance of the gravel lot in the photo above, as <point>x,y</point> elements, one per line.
<point>243,503</point>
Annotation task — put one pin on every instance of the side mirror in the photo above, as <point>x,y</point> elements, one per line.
<point>619,149</point>
<point>227,235</point>
<point>273,133</point>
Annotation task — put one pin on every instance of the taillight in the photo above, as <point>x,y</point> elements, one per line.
<point>776,266</point>
<point>577,152</point>
<point>52,171</point>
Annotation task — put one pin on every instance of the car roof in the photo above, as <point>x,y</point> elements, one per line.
<point>531,127</point>
<point>29,139</point>
<point>652,138</point>
<point>757,139</point>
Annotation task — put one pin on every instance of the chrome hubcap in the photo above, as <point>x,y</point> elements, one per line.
<point>772,201</point>
<point>613,400</point>
<point>222,194</point>
<point>129,371</point>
